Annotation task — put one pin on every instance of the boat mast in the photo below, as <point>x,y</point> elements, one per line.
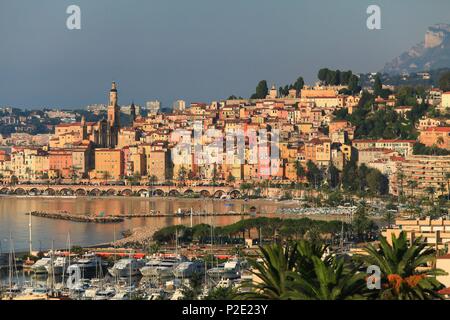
<point>52,267</point>
<point>29,234</point>
<point>191,218</point>
<point>176,242</point>
<point>10,262</point>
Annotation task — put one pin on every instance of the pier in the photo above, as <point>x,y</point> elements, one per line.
<point>77,218</point>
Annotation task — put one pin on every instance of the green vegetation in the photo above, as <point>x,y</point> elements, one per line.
<point>297,85</point>
<point>405,275</point>
<point>261,90</point>
<point>364,180</point>
<point>444,81</point>
<point>337,77</point>
<point>304,270</point>
<point>421,149</point>
<point>266,227</point>
<point>385,122</point>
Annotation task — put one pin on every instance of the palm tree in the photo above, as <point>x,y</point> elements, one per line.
<point>231,179</point>
<point>442,188</point>
<point>273,272</point>
<point>335,280</point>
<point>299,170</point>
<point>412,185</point>
<point>405,275</point>
<point>447,177</point>
<point>106,176</point>
<point>302,270</point>
<point>430,190</point>
<point>400,178</point>
<point>182,174</point>
<point>153,179</point>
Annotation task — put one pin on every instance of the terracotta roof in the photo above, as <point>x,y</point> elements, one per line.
<point>438,129</point>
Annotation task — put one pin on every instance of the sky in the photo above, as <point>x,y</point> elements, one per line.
<point>195,50</point>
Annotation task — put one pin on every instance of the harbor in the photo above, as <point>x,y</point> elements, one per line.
<point>119,274</point>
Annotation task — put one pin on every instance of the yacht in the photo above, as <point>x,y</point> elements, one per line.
<point>58,267</point>
<point>40,266</point>
<point>161,267</point>
<point>188,269</point>
<point>229,270</point>
<point>126,268</point>
<point>90,263</point>
<point>106,294</point>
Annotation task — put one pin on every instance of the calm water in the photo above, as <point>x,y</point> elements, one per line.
<point>13,219</point>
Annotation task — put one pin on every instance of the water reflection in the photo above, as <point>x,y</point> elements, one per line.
<point>14,220</point>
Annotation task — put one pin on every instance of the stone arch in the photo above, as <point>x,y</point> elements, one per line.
<point>219,193</point>
<point>81,192</point>
<point>158,193</point>
<point>94,192</point>
<point>126,193</point>
<point>188,191</point>
<point>34,192</point>
<point>205,194</point>
<point>4,190</point>
<point>20,191</point>
<point>235,194</point>
<point>111,192</point>
<point>174,193</point>
<point>66,192</point>
<point>142,192</point>
<point>50,192</point>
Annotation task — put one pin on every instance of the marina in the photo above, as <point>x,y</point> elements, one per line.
<point>90,277</point>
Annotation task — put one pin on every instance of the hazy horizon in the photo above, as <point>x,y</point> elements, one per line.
<point>198,50</point>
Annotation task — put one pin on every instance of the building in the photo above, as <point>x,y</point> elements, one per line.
<point>112,135</point>
<point>29,163</point>
<point>403,147</point>
<point>109,164</point>
<point>445,102</point>
<point>153,107</point>
<point>61,164</point>
<point>436,136</point>
<point>159,165</point>
<point>179,106</point>
<point>426,171</point>
<point>434,232</point>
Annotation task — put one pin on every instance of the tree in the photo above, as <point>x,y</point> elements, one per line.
<point>299,170</point>
<point>314,174</point>
<point>353,84</point>
<point>262,90</point>
<point>412,185</point>
<point>303,270</point>
<point>106,176</point>
<point>431,191</point>
<point>362,224</point>
<point>322,75</point>
<point>444,82</point>
<point>182,175</point>
<point>447,178</point>
<point>389,217</point>
<point>277,263</point>
<point>378,86</point>
<point>330,281</point>
<point>299,84</point>
<point>404,268</point>
<point>214,175</point>
<point>231,179</point>
<point>222,293</point>
<point>194,289</point>
<point>333,176</point>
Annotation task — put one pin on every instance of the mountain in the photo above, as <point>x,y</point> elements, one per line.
<point>432,53</point>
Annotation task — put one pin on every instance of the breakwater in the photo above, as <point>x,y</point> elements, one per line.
<point>77,218</point>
